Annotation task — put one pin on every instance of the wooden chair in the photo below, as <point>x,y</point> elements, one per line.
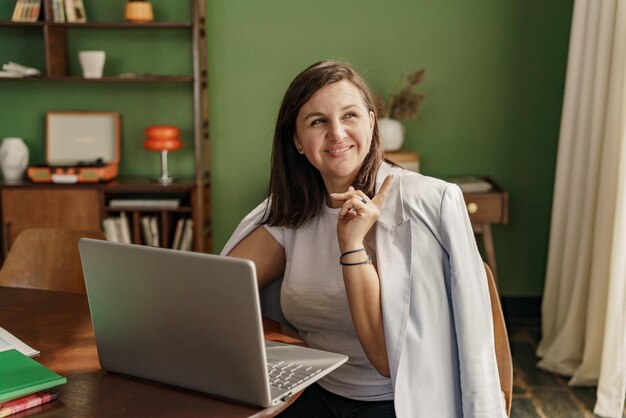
<point>46,259</point>
<point>501,341</point>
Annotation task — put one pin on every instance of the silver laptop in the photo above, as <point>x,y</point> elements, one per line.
<point>191,320</point>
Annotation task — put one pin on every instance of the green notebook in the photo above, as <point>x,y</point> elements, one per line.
<point>20,375</point>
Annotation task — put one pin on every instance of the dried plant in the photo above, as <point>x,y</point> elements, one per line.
<point>405,103</point>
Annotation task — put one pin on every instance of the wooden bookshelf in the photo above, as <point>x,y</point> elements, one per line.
<point>72,206</point>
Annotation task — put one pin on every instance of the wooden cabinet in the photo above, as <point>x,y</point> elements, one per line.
<point>490,207</point>
<point>25,205</point>
<point>85,206</point>
<point>72,208</point>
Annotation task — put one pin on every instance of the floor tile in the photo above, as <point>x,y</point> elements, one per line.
<point>523,408</point>
<point>539,394</point>
<point>557,403</point>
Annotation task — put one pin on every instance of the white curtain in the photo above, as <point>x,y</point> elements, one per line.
<point>584,301</point>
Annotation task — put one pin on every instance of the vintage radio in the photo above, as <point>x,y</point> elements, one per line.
<point>81,147</point>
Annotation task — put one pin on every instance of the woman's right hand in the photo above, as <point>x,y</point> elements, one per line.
<point>357,215</point>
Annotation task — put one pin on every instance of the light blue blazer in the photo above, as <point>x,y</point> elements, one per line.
<point>435,300</point>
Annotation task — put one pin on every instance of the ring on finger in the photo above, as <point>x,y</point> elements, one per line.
<point>364,200</point>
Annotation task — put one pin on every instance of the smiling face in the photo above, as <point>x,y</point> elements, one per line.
<point>334,131</point>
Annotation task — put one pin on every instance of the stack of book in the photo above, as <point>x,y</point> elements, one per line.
<point>24,383</point>
<point>183,235</point>
<point>144,203</point>
<point>117,228</point>
<point>26,11</point>
<point>150,230</point>
<point>471,184</point>
<point>72,11</point>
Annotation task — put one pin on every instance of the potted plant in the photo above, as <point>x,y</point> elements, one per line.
<point>403,104</point>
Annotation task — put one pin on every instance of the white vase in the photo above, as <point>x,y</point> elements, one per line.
<point>391,133</point>
<point>13,158</point>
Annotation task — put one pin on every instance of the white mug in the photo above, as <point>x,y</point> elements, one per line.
<point>92,63</point>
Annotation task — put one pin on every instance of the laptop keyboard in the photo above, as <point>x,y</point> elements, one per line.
<point>286,375</point>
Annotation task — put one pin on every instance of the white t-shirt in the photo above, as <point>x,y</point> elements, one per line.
<point>313,299</point>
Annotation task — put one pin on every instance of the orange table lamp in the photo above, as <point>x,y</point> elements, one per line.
<point>163,138</point>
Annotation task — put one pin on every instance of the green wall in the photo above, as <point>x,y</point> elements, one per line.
<point>495,76</point>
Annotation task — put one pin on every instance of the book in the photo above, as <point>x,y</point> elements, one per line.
<point>186,243</point>
<point>8,341</point>
<point>145,230</point>
<point>178,233</point>
<point>58,11</point>
<point>22,376</point>
<point>26,11</point>
<point>124,228</point>
<point>26,402</point>
<point>75,11</point>
<point>19,10</point>
<point>145,203</point>
<point>471,184</point>
<point>111,229</point>
<point>154,230</point>
<point>20,70</point>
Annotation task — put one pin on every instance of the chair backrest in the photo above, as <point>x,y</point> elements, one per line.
<point>501,341</point>
<point>44,258</point>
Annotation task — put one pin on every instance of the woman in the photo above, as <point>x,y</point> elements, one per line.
<point>376,262</point>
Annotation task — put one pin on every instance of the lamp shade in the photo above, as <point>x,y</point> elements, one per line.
<point>162,131</point>
<point>162,138</point>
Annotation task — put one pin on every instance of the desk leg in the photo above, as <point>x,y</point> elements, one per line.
<point>484,229</point>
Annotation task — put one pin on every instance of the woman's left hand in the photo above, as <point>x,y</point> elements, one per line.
<point>357,215</point>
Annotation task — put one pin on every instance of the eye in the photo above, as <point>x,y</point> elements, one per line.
<point>350,115</point>
<point>317,122</point>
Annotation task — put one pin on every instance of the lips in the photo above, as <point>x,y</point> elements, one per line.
<point>338,151</point>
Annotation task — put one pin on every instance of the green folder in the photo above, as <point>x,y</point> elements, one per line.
<point>20,375</point>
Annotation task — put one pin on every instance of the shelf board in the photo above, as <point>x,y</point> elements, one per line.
<point>39,23</point>
<point>151,209</point>
<point>104,25</point>
<point>140,184</point>
<point>148,185</point>
<point>107,79</point>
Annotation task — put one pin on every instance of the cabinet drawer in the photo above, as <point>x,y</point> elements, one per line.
<point>486,207</point>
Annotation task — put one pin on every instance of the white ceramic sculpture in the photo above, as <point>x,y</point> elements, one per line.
<point>13,158</point>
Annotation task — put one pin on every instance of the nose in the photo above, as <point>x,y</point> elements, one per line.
<point>336,132</point>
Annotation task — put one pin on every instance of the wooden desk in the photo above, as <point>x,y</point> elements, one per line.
<point>484,209</point>
<point>58,324</point>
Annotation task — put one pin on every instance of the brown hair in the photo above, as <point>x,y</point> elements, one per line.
<point>296,190</point>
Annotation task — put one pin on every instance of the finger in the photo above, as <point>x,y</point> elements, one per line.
<point>345,195</point>
<point>346,207</point>
<point>355,204</point>
<point>350,214</point>
<point>382,193</point>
